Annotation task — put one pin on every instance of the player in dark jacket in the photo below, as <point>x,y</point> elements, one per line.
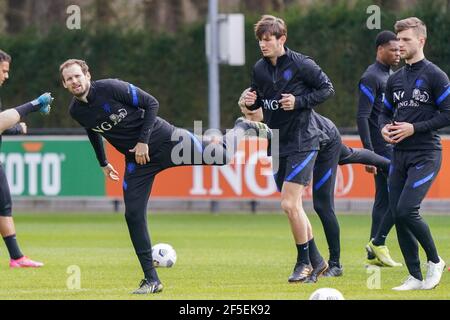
<point>332,152</point>
<point>287,85</point>
<point>417,104</point>
<point>126,117</point>
<point>371,94</point>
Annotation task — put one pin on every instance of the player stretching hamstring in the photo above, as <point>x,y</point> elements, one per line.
<point>126,117</point>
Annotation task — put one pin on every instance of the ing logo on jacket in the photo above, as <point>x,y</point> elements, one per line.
<point>271,104</point>
<point>115,119</point>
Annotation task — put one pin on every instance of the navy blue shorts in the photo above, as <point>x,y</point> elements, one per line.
<point>295,168</point>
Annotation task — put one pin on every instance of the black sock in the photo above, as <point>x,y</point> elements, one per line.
<point>418,275</point>
<point>303,253</point>
<point>26,108</point>
<point>314,254</point>
<point>151,275</point>
<point>146,262</point>
<point>334,263</point>
<point>13,247</point>
<point>379,241</point>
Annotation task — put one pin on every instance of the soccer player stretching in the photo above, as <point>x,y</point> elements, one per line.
<point>417,103</point>
<point>8,119</point>
<point>126,117</point>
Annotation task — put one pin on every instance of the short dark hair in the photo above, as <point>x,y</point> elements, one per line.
<point>68,63</point>
<point>384,37</point>
<point>4,56</point>
<point>270,25</point>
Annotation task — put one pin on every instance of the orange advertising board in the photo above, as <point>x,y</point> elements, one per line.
<point>250,177</point>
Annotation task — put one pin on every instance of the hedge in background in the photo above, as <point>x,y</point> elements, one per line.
<point>173,67</point>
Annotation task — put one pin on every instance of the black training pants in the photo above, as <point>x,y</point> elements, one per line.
<point>411,176</point>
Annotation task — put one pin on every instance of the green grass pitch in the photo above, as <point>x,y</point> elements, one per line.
<point>225,256</point>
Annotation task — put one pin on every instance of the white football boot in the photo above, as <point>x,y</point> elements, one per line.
<point>410,283</point>
<point>434,274</point>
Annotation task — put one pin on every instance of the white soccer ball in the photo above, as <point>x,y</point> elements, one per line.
<point>164,255</point>
<point>326,294</point>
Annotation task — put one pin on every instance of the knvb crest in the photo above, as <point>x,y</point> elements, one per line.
<point>421,96</point>
<point>287,74</point>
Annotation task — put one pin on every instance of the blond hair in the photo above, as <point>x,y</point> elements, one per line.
<point>414,23</point>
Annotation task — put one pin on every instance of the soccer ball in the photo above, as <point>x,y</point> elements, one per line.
<point>326,294</point>
<point>164,255</point>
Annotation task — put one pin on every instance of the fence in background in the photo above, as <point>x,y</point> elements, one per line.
<point>55,173</point>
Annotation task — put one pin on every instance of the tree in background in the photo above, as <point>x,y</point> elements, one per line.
<point>155,15</point>
<point>15,15</point>
<point>104,13</point>
<point>172,65</point>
